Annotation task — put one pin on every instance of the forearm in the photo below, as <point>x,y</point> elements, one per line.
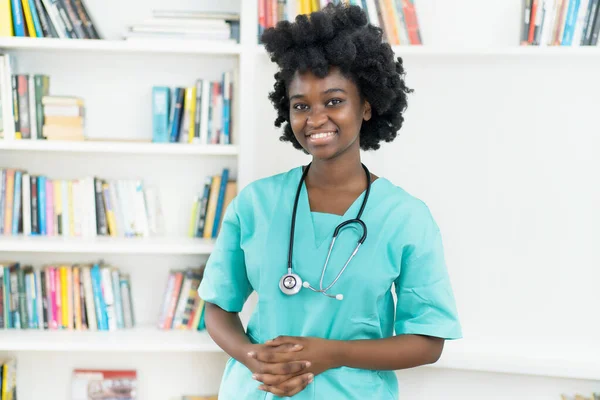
<point>393,353</point>
<point>227,331</point>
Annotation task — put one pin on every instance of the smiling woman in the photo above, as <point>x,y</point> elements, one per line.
<point>326,327</point>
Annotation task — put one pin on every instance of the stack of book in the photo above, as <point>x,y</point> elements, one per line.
<point>94,297</point>
<point>560,23</point>
<point>198,114</point>
<point>188,24</point>
<point>209,206</point>
<point>182,308</point>
<point>63,118</point>
<point>86,207</point>
<point>397,18</point>
<point>47,19</point>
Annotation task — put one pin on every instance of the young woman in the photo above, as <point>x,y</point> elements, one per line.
<point>325,326</point>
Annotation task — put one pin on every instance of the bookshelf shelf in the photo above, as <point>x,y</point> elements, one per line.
<point>119,147</point>
<point>139,339</point>
<point>121,46</point>
<point>106,245</point>
<point>559,359</point>
<point>526,51</point>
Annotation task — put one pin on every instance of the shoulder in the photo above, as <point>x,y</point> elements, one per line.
<point>264,191</point>
<point>409,213</point>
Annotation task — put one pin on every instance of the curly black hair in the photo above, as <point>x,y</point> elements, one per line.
<point>340,36</point>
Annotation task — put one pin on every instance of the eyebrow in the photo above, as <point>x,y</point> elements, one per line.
<point>328,91</point>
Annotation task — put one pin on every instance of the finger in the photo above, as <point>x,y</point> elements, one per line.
<point>275,379</point>
<point>273,356</point>
<point>271,380</point>
<point>289,387</point>
<point>283,368</point>
<point>281,340</point>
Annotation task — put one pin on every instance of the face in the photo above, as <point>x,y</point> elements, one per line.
<point>326,113</point>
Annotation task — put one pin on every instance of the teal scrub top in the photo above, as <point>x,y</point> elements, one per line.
<point>403,252</point>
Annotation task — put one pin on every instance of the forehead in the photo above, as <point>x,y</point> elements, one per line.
<point>302,83</point>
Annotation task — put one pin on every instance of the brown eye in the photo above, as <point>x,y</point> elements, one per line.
<point>300,106</point>
<point>334,102</point>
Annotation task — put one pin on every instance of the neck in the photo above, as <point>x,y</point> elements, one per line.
<point>338,172</point>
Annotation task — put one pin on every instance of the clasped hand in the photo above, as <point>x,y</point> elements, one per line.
<point>287,364</point>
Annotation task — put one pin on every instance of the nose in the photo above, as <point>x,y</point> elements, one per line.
<point>316,117</point>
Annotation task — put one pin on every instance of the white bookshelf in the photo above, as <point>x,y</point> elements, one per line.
<point>469,87</point>
<point>148,339</point>
<point>114,147</point>
<point>107,245</point>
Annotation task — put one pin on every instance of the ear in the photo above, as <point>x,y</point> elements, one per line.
<point>367,111</point>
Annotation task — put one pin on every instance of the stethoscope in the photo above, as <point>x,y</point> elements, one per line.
<point>291,283</point>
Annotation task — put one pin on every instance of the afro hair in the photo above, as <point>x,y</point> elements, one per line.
<point>340,36</point>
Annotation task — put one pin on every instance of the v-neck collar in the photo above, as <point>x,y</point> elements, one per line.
<point>304,213</point>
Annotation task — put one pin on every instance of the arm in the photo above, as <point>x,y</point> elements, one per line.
<point>393,353</point>
<point>226,329</point>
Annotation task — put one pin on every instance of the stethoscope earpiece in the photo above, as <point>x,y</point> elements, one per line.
<point>291,283</point>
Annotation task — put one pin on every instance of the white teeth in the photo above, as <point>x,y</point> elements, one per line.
<point>322,135</point>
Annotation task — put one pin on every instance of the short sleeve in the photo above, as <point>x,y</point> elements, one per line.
<point>425,300</point>
<point>225,282</point>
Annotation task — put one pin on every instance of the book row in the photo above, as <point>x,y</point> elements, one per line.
<point>397,18</point>
<point>560,23</point>
<point>182,308</point>
<point>73,297</point>
<point>40,205</point>
<point>209,206</point>
<point>199,114</point>
<point>67,19</point>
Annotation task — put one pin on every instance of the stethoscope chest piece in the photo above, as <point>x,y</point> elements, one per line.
<point>290,283</point>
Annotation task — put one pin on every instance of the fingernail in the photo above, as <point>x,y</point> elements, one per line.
<point>308,364</point>
<point>269,341</point>
<point>297,346</point>
<point>254,377</point>
<point>251,354</point>
<point>310,378</point>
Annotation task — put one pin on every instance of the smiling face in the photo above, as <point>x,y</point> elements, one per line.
<point>326,113</point>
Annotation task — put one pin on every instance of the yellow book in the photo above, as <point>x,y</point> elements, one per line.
<point>198,314</point>
<point>64,297</point>
<point>110,211</point>
<point>190,109</point>
<point>193,217</point>
<point>315,5</point>
<point>28,19</point>
<point>6,24</point>
<point>211,209</point>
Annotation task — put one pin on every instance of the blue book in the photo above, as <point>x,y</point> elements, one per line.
<point>7,315</point>
<point>36,20</point>
<point>18,20</point>
<point>17,202</point>
<point>221,198</point>
<point>41,186</point>
<point>161,104</point>
<point>101,316</point>
<point>570,23</point>
<point>176,113</point>
<point>226,108</point>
